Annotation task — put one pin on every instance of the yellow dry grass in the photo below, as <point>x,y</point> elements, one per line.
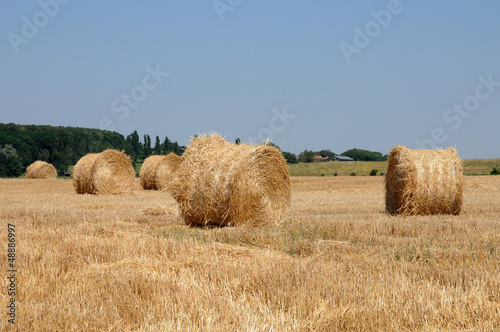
<point>129,263</point>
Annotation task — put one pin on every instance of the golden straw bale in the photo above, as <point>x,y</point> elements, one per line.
<point>81,174</point>
<point>112,173</point>
<point>221,184</point>
<point>41,170</point>
<point>108,172</point>
<point>148,172</point>
<point>166,170</point>
<point>423,182</point>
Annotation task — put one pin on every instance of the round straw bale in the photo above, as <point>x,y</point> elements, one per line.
<point>41,170</point>
<point>81,174</point>
<point>148,172</point>
<point>222,184</point>
<point>166,170</point>
<point>112,173</point>
<point>423,182</point>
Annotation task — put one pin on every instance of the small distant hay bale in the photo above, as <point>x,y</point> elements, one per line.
<point>166,171</point>
<point>82,181</point>
<point>148,172</point>
<point>423,182</point>
<point>41,170</point>
<point>107,173</point>
<point>224,184</point>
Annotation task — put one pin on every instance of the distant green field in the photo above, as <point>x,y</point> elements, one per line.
<point>346,168</point>
<point>343,168</point>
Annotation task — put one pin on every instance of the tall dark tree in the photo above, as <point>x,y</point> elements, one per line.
<point>157,149</point>
<point>176,148</point>
<point>147,146</point>
<point>237,141</point>
<point>167,146</point>
<point>135,144</point>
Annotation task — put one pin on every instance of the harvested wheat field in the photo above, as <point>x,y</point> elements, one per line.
<point>339,262</point>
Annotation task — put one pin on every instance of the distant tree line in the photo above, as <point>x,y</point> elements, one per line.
<point>21,145</point>
<point>364,155</point>
<point>308,156</point>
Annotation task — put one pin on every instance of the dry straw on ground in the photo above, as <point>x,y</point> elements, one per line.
<point>221,183</point>
<point>148,172</point>
<point>109,172</point>
<point>166,170</point>
<point>424,182</point>
<point>41,170</point>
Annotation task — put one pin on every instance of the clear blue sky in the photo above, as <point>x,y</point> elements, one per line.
<point>298,71</point>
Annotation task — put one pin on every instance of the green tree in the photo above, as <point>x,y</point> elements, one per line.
<point>306,156</point>
<point>135,144</point>
<point>157,149</point>
<point>290,157</point>
<point>237,141</point>
<point>10,163</point>
<point>326,153</point>
<point>147,146</point>
<point>364,155</point>
<point>167,146</point>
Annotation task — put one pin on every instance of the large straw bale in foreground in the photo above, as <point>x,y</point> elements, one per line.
<point>109,172</point>
<point>41,170</point>
<point>82,181</point>
<point>148,172</point>
<point>166,170</point>
<point>221,184</point>
<point>423,182</point>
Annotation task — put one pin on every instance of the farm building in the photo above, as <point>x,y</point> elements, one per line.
<point>343,158</point>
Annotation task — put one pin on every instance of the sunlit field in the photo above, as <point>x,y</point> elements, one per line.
<point>333,168</point>
<point>339,262</point>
